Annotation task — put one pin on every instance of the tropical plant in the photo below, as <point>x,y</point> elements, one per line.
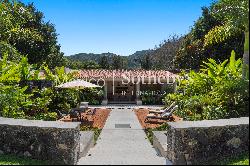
<point>151,97</point>
<point>92,95</point>
<point>217,91</point>
<point>235,15</point>
<point>213,35</point>
<point>9,71</point>
<point>12,101</point>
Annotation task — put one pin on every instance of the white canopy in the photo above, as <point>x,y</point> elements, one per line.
<point>78,84</point>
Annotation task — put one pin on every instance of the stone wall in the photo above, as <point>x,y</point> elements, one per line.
<point>58,142</point>
<point>203,141</point>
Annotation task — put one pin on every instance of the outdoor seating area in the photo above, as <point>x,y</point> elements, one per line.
<point>165,115</point>
<point>95,118</point>
<point>153,118</point>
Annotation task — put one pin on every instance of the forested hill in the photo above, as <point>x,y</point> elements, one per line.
<point>106,60</point>
<point>89,56</point>
<point>134,60</point>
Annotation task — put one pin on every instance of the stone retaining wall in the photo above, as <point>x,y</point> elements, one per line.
<point>203,141</point>
<point>58,142</point>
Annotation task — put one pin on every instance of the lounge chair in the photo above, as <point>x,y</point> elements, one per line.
<point>83,106</point>
<point>162,111</point>
<point>91,111</point>
<point>165,116</point>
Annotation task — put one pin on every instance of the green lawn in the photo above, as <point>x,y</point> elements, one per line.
<point>238,160</point>
<point>13,160</point>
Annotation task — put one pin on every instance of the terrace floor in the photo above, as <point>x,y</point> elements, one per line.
<point>123,142</point>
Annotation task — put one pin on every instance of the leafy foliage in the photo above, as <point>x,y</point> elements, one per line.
<point>217,91</point>
<point>235,15</point>
<point>14,160</point>
<point>162,57</point>
<point>92,95</point>
<point>16,101</point>
<point>24,32</point>
<point>212,36</point>
<point>150,97</point>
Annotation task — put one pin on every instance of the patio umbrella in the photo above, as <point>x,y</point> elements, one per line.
<point>78,84</point>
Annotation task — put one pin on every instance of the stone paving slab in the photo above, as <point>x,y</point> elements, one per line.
<point>123,146</point>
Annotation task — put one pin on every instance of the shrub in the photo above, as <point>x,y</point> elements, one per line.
<point>50,116</point>
<point>217,91</point>
<point>151,97</point>
<point>91,95</point>
<point>63,99</point>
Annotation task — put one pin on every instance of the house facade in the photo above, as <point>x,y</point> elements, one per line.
<point>127,86</point>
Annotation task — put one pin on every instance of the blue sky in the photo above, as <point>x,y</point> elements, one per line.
<point>118,26</point>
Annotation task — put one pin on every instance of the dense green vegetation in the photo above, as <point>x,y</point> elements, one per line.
<point>19,101</point>
<point>14,160</point>
<point>219,88</point>
<point>159,58</point>
<point>217,91</point>
<point>96,61</point>
<point>23,31</point>
<point>28,45</point>
<point>242,159</point>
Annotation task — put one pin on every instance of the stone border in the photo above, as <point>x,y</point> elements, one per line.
<point>197,142</point>
<point>58,142</point>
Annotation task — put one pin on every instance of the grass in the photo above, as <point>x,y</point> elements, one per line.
<point>149,131</point>
<point>14,160</point>
<point>242,159</point>
<point>97,131</point>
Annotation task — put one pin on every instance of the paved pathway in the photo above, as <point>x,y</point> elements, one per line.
<point>122,146</point>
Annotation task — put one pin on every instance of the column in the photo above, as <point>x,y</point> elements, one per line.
<point>105,99</point>
<point>138,98</point>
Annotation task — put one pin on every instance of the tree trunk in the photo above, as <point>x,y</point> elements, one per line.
<point>246,57</point>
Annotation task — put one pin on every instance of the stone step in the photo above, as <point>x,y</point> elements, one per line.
<point>118,146</point>
<point>86,142</point>
<point>124,160</point>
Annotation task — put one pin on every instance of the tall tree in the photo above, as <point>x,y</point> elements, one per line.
<point>163,56</point>
<point>235,14</point>
<point>104,62</point>
<point>199,44</point>
<point>24,28</point>
<point>146,62</point>
<point>117,62</point>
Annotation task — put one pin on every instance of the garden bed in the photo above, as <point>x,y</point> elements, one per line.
<point>93,122</point>
<point>154,123</point>
<point>96,120</point>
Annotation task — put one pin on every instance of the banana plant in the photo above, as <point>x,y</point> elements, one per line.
<point>9,71</point>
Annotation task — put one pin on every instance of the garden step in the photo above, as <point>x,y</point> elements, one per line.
<point>86,142</point>
<point>123,146</point>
